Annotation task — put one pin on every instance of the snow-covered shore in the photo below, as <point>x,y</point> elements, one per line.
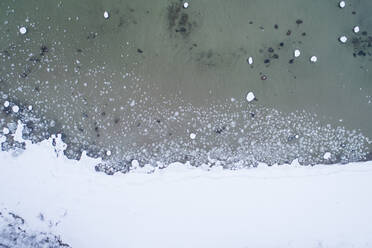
<point>181,206</point>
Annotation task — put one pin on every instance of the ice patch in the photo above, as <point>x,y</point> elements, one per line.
<point>297,53</point>
<point>15,109</point>
<point>250,60</point>
<point>250,97</point>
<point>23,30</point>
<point>192,136</point>
<point>106,15</point>
<point>327,155</point>
<point>343,39</point>
<point>313,59</point>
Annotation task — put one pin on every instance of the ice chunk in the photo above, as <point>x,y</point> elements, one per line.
<point>250,96</point>
<point>327,155</point>
<point>313,59</point>
<point>297,53</point>
<point>343,39</point>
<point>23,30</point>
<point>15,109</point>
<point>5,130</point>
<point>250,60</point>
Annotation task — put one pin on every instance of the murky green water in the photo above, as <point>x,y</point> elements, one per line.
<point>140,82</point>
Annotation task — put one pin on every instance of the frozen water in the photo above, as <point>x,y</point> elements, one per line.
<point>343,39</point>
<point>250,97</point>
<point>22,30</point>
<point>313,59</point>
<point>106,15</point>
<point>192,136</point>
<point>297,53</point>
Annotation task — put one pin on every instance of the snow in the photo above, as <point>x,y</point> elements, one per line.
<point>342,4</point>
<point>22,30</point>
<point>343,39</point>
<point>297,53</point>
<point>356,29</point>
<point>250,97</point>
<point>183,206</point>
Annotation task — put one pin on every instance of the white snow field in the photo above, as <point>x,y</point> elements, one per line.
<point>182,206</point>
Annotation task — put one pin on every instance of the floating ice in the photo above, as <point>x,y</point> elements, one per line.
<point>250,96</point>
<point>297,53</point>
<point>250,60</point>
<point>15,109</point>
<point>106,15</point>
<point>313,59</point>
<point>356,29</point>
<point>342,4</point>
<point>23,30</point>
<point>192,136</point>
<point>5,130</point>
<point>186,5</point>
<point>6,104</point>
<point>135,163</point>
<point>327,155</point>
<point>343,39</point>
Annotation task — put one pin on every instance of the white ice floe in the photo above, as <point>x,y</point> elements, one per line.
<point>327,155</point>
<point>250,96</point>
<point>15,109</point>
<point>313,59</point>
<point>106,15</point>
<point>5,130</point>
<point>192,136</point>
<point>250,60</point>
<point>135,163</point>
<point>342,4</point>
<point>188,206</point>
<point>297,53</point>
<point>6,104</point>
<point>186,5</point>
<point>343,39</point>
<point>22,30</point>
<point>356,29</point>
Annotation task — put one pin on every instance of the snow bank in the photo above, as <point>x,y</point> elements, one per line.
<point>181,206</point>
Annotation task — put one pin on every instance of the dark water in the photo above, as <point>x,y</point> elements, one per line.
<point>139,83</point>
